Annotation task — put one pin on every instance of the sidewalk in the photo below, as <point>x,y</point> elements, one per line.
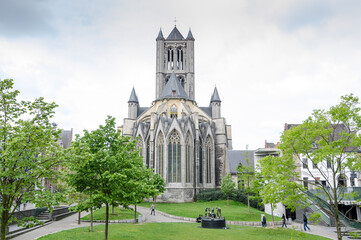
<point>57,226</point>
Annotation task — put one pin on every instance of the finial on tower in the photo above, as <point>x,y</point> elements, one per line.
<point>175,21</point>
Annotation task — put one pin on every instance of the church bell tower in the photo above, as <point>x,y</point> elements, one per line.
<point>175,54</point>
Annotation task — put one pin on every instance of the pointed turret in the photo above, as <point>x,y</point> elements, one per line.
<point>215,104</point>
<point>190,35</point>
<point>133,105</point>
<point>173,89</point>
<point>215,96</point>
<point>175,35</point>
<point>133,97</point>
<point>160,35</point>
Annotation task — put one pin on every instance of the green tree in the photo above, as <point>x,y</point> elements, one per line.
<point>246,177</point>
<point>159,184</point>
<point>228,186</point>
<point>106,166</point>
<point>275,182</point>
<point>330,140</point>
<point>29,153</point>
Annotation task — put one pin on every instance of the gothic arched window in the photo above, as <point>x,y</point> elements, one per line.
<point>173,111</point>
<point>200,162</point>
<point>147,157</point>
<point>160,154</point>
<point>208,156</point>
<point>179,59</point>
<point>139,145</point>
<point>188,158</point>
<point>174,157</point>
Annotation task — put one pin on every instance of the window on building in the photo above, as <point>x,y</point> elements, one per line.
<point>147,157</point>
<point>352,181</point>
<point>323,182</point>
<point>305,182</point>
<point>139,145</point>
<point>200,162</point>
<point>188,158</point>
<point>208,156</point>
<point>160,154</point>
<point>342,181</point>
<point>173,111</point>
<point>314,165</point>
<point>174,157</point>
<point>328,162</point>
<point>304,162</point>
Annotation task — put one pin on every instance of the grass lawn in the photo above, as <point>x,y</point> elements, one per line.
<point>236,211</point>
<point>181,231</point>
<point>119,214</point>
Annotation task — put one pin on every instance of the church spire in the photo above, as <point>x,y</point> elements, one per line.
<point>133,97</point>
<point>215,96</point>
<point>160,35</point>
<point>190,35</point>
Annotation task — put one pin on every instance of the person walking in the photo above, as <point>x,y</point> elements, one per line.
<point>263,220</point>
<point>152,209</point>
<point>305,222</point>
<point>284,221</point>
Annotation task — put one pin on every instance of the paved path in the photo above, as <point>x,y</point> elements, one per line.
<point>57,226</point>
<point>71,222</point>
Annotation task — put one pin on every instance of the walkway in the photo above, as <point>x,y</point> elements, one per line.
<point>71,222</point>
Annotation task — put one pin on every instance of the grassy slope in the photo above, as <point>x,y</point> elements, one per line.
<point>119,214</point>
<point>236,211</point>
<point>181,231</point>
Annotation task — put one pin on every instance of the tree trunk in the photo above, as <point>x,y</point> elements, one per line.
<point>135,213</point>
<point>273,220</point>
<point>91,219</point>
<point>113,210</point>
<point>106,220</point>
<point>79,213</point>
<point>4,223</point>
<point>337,217</point>
<point>248,203</point>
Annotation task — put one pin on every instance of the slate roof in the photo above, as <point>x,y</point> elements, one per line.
<point>236,157</point>
<point>207,110</point>
<point>190,35</point>
<point>215,96</point>
<point>160,35</point>
<point>175,35</point>
<point>173,89</point>
<point>133,97</point>
<point>141,110</point>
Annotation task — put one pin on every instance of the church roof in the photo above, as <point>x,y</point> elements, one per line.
<point>160,35</point>
<point>215,96</point>
<point>133,97</point>
<point>190,35</point>
<point>175,35</point>
<point>236,157</point>
<point>173,89</point>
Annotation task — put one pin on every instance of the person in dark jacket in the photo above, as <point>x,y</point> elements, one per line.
<point>263,220</point>
<point>305,222</point>
<point>284,220</point>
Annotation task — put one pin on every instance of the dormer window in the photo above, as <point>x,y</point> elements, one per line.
<point>173,111</point>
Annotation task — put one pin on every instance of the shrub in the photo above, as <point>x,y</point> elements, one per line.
<point>238,195</point>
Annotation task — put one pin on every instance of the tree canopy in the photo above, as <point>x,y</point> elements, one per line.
<point>326,146</point>
<point>107,166</point>
<point>29,152</point>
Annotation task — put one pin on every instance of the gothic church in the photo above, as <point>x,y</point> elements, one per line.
<point>184,143</point>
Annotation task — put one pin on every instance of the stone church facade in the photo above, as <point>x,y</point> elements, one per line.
<point>185,144</point>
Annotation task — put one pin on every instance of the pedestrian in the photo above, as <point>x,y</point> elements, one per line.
<point>25,204</point>
<point>284,220</point>
<point>152,209</point>
<point>263,220</point>
<point>305,222</point>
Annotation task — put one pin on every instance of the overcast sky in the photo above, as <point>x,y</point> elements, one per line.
<point>273,62</point>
